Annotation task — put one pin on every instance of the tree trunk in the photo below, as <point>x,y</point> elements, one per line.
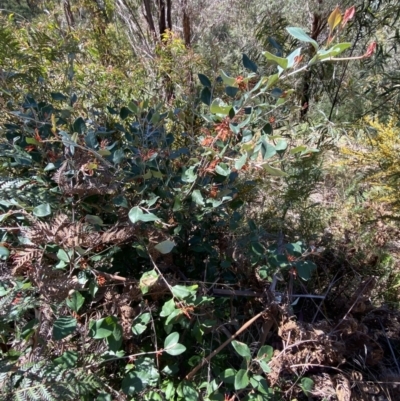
<point>318,24</point>
<point>68,14</point>
<point>162,23</point>
<point>186,25</point>
<point>149,17</point>
<point>169,18</point>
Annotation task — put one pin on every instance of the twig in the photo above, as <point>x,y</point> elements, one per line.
<point>159,272</point>
<point>250,293</point>
<point>239,293</point>
<point>190,375</point>
<point>312,365</point>
<point>391,348</point>
<point>110,276</point>
<point>352,306</point>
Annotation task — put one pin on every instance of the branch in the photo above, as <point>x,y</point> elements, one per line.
<point>190,375</point>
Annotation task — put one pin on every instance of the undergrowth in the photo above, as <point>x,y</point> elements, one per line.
<point>180,239</point>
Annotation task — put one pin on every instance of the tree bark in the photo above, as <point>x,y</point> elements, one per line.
<point>162,23</point>
<point>318,24</point>
<point>169,18</point>
<point>149,17</point>
<point>186,25</point>
<point>68,14</point>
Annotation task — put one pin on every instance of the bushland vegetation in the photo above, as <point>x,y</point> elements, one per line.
<point>199,200</point>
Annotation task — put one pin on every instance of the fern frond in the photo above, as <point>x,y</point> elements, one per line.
<point>23,257</point>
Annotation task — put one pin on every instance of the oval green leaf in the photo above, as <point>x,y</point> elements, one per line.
<point>42,210</point>
<point>241,379</point>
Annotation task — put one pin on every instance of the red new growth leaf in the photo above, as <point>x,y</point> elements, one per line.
<point>371,50</point>
<point>348,15</point>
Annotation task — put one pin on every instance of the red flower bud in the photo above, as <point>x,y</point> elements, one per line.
<point>371,50</point>
<point>348,15</point>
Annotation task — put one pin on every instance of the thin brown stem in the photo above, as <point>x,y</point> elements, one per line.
<point>190,375</point>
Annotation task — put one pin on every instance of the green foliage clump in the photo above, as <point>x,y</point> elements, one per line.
<point>378,160</point>
<point>128,242</point>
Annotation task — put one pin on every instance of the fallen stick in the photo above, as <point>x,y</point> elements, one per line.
<point>190,375</point>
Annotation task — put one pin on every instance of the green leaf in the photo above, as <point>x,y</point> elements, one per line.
<point>206,96</point>
<point>188,391</point>
<point>204,80</point>
<point>170,390</point>
<point>29,329</point>
<point>104,397</point>
<point>64,256</point>
<point>79,126</point>
<point>231,91</point>
<point>223,169</point>
<point>94,220</point>
<point>293,57</point>
<point>145,374</point>
<point>227,79</point>
<point>182,292</point>
<point>171,319</point>
<point>250,65</point>
<point>228,376</point>
<point>32,141</point>
<point>4,253</point>
<point>305,269</point>
<point>138,328</point>
<point>282,62</point>
<point>120,201</point>
<point>171,345</point>
<point>264,366</point>
<point>281,145</point>
<point>115,340</point>
<point>140,323</point>
<point>118,156</point>
<point>42,210</point>
<point>239,163</point>
<point>68,359</point>
<point>272,80</point>
<point>265,352</point>
<point>218,106</point>
<point>103,328</point>
<point>125,112</point>
<point>93,288</point>
<point>306,385</point>
<point>63,327</point>
<point>257,248</point>
<point>57,96</point>
<point>267,150</point>
<point>168,308</point>
<point>177,349</point>
<point>132,106</point>
<point>241,379</point>
<point>136,214</point>
<point>165,246</point>
<point>147,280</point>
<point>326,55</point>
<point>189,175</point>
<point>273,171</point>
<point>299,34</point>
<point>91,140</point>
<point>295,248</point>
<point>82,277</point>
<point>267,129</point>
<point>242,349</point>
<point>298,149</point>
<point>75,301</point>
<point>197,197</point>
